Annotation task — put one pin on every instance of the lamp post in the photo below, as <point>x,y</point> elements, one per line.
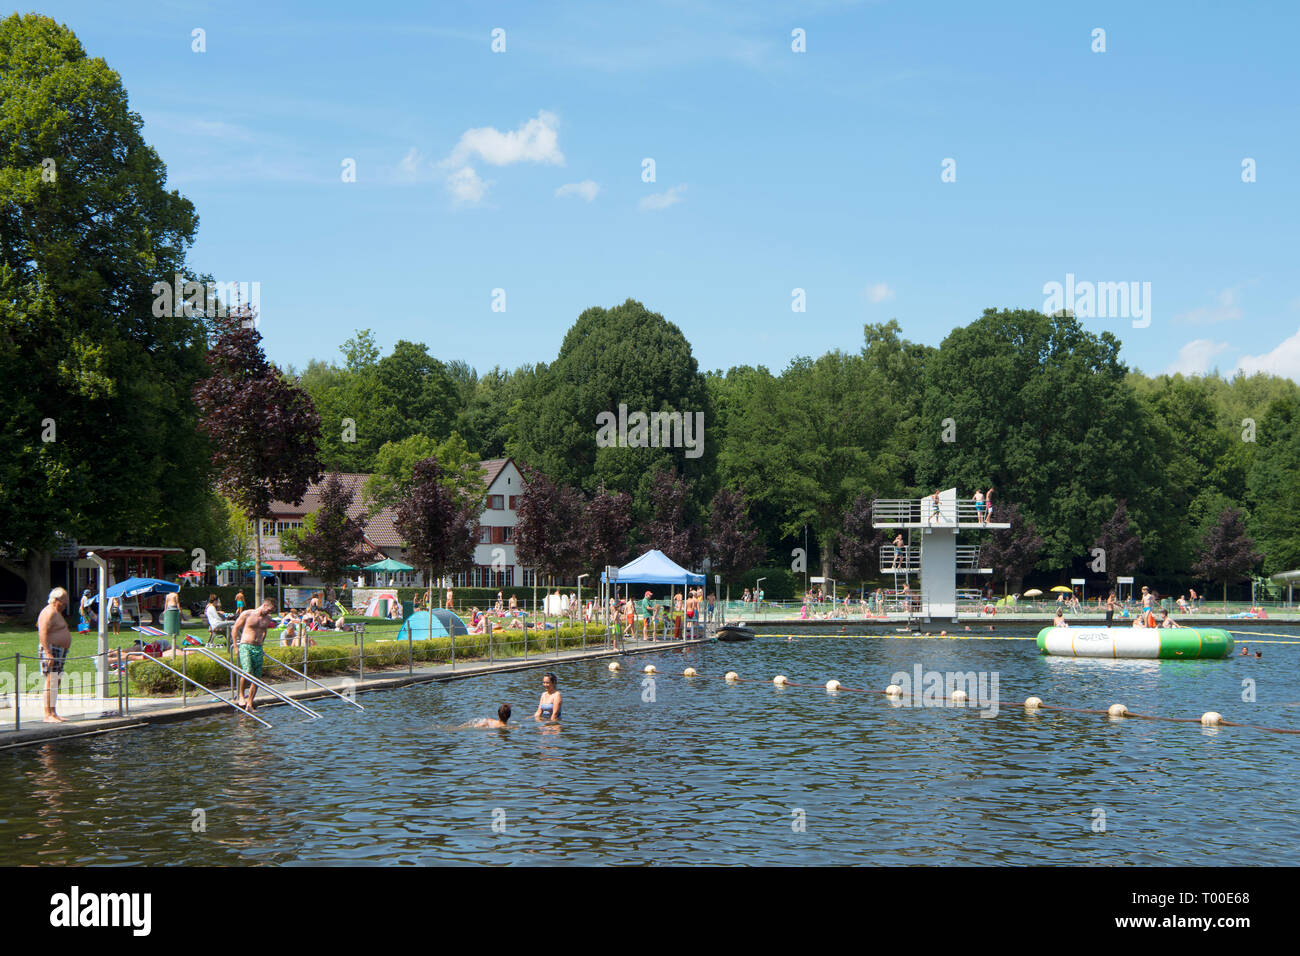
<point>758,587</point>
<point>580,614</point>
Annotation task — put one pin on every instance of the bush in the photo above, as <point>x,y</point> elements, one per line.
<point>148,677</point>
<point>779,583</point>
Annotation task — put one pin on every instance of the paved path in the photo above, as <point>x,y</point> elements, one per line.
<point>87,715</point>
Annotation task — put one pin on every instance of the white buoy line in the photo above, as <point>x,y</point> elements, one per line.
<point>1032,705</point>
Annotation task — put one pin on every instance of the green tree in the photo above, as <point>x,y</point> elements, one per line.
<point>100,438</point>
<point>627,356</point>
<point>394,474</point>
<point>1274,484</point>
<point>1040,408</point>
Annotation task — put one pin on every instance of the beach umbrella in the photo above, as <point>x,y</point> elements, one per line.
<point>1033,592</point>
<point>1062,588</point>
<point>388,564</point>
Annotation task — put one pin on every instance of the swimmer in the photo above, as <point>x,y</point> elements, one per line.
<point>502,721</point>
<point>1259,653</point>
<point>548,708</point>
<point>1059,620</point>
<point>1244,650</point>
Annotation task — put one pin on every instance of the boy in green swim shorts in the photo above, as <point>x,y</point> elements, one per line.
<point>250,631</point>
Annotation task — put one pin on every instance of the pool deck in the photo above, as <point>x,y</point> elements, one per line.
<point>90,716</point>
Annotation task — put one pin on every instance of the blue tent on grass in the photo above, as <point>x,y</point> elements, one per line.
<point>418,627</point>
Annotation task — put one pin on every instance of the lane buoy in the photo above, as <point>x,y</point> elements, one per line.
<point>1033,703</point>
<point>1117,710</point>
<point>780,680</point>
<point>893,690</point>
<point>1211,718</point>
<point>833,685</point>
<point>959,696</point>
<point>613,665</point>
<point>689,672</point>
<point>649,669</point>
<point>731,677</point>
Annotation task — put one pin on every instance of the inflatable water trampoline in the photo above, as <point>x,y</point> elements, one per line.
<point>1164,643</point>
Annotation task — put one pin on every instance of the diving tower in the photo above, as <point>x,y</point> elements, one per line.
<point>931,526</point>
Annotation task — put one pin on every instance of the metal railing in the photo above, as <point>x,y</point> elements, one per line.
<point>205,689</point>
<point>925,511</point>
<point>243,675</point>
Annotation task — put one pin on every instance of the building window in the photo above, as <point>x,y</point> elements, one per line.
<point>513,502</point>
<point>484,534</point>
<point>496,502</point>
<point>509,535</point>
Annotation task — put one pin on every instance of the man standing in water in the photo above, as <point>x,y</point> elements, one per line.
<point>55,639</point>
<point>250,630</point>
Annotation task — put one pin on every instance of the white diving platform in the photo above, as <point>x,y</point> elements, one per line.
<point>932,551</point>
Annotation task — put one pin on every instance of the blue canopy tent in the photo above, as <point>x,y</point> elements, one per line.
<point>655,567</point>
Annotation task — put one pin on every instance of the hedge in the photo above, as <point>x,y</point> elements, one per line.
<point>148,677</point>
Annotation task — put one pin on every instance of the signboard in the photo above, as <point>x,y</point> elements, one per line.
<point>1124,580</point>
<point>1078,581</point>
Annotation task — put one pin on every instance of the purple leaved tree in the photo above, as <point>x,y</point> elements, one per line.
<point>734,547</point>
<point>548,527</point>
<point>440,530</point>
<point>1121,547</point>
<point>1012,552</point>
<point>859,543</point>
<point>669,530</point>
<point>263,427</point>
<point>1227,553</point>
<point>605,526</point>
<point>334,541</point>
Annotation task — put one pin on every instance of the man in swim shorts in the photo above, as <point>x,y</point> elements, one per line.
<point>55,639</point>
<point>250,630</point>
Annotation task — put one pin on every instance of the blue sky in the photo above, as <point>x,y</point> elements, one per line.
<point>775,170</point>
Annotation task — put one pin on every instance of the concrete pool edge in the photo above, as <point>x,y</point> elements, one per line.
<point>442,673</point>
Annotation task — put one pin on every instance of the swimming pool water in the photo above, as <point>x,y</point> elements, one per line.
<point>705,772</point>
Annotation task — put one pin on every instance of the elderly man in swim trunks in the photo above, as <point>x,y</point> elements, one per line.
<point>55,639</point>
<point>250,630</point>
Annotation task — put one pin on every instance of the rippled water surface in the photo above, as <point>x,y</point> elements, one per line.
<point>705,772</point>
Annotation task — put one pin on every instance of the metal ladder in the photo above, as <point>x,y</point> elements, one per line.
<point>244,675</point>
<point>207,690</point>
<point>317,683</point>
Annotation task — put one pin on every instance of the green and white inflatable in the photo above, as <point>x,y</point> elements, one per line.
<point>1164,643</point>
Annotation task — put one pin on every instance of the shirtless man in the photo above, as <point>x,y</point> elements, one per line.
<point>250,630</point>
<point>55,639</point>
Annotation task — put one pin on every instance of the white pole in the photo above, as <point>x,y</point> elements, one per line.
<point>101,645</point>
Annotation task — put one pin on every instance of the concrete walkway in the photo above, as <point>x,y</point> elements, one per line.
<point>87,716</point>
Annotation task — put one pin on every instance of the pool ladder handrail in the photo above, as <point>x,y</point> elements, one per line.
<point>208,690</point>
<point>313,680</point>
<point>244,675</point>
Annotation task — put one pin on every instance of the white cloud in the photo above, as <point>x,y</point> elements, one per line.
<point>663,200</point>
<point>1225,309</point>
<point>1196,357</point>
<point>465,185</point>
<point>587,189</point>
<point>880,292</point>
<point>534,142</point>
<point>412,162</point>
<point>1283,360</point>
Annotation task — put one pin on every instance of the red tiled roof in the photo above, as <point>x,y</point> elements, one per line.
<point>492,468</point>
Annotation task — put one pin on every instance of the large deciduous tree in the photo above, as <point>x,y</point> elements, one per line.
<point>1227,552</point>
<point>264,428</point>
<point>99,429</point>
<point>859,544</point>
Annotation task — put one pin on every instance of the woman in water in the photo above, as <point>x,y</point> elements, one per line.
<point>548,708</point>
